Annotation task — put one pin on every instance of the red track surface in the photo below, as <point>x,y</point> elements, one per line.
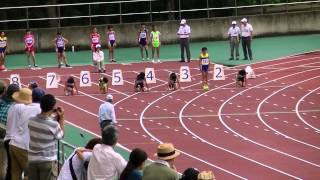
<point>267,130</point>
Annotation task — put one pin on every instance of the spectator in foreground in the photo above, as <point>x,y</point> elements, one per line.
<point>2,87</point>
<point>105,163</point>
<point>163,168</point>
<point>206,175</point>
<point>18,118</point>
<point>5,103</point>
<point>107,115</point>
<point>45,131</point>
<point>75,167</point>
<point>136,163</point>
<point>190,174</point>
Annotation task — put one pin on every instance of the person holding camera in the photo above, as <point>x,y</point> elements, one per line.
<point>45,130</point>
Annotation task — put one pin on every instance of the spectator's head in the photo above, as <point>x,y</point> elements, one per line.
<point>110,27</point>
<point>12,88</point>
<point>244,21</point>
<point>109,98</point>
<point>110,135</point>
<point>24,95</point>
<point>206,175</point>
<point>94,30</point>
<point>136,161</point>
<point>37,94</point>
<point>183,22</point>
<point>93,142</point>
<point>167,152</point>
<point>190,174</point>
<point>204,50</point>
<point>33,84</point>
<point>234,23</point>
<point>2,87</point>
<point>47,103</point>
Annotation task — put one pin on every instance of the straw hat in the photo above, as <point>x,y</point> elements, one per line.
<point>206,175</point>
<point>24,95</point>
<point>166,151</point>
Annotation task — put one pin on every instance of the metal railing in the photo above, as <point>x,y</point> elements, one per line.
<point>116,12</point>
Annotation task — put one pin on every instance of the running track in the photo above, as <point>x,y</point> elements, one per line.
<point>267,130</point>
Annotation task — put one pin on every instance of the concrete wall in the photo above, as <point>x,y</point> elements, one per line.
<point>202,29</point>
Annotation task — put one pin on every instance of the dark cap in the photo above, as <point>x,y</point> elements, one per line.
<point>190,174</point>
<point>37,94</point>
<point>2,87</point>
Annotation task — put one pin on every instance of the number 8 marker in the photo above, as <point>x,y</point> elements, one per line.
<point>15,79</point>
<point>85,79</point>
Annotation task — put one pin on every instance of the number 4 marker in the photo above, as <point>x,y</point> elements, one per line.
<point>150,75</point>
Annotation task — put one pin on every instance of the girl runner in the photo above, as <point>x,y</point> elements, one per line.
<point>29,48</point>
<point>60,43</point>
<point>140,83</point>
<point>70,87</point>
<point>111,43</point>
<point>95,40</point>
<point>143,40</point>
<point>3,46</point>
<point>204,63</point>
<point>103,84</point>
<point>173,83</point>
<point>155,39</point>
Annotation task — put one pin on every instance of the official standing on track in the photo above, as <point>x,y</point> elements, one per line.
<point>107,114</point>
<point>246,36</point>
<point>184,33</point>
<point>234,33</point>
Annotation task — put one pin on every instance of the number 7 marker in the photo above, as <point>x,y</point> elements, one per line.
<point>52,81</point>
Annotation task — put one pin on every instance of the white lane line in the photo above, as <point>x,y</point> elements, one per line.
<point>298,112</point>
<point>268,97</point>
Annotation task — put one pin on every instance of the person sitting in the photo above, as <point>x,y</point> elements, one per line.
<point>75,167</point>
<point>140,83</point>
<point>105,162</point>
<point>70,87</point>
<point>241,78</point>
<point>103,85</point>
<point>136,162</point>
<point>173,83</point>
<point>163,168</point>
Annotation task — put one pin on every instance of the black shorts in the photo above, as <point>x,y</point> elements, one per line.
<point>138,83</point>
<point>143,42</point>
<point>240,78</point>
<point>60,49</point>
<point>171,83</point>
<point>111,43</point>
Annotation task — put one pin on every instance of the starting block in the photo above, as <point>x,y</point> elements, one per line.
<point>250,73</point>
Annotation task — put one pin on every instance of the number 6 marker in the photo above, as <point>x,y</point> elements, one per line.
<point>52,81</point>
<point>85,79</point>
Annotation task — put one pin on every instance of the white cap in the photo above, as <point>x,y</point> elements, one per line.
<point>183,21</point>
<point>234,22</point>
<point>244,20</point>
<point>98,46</point>
<point>109,97</point>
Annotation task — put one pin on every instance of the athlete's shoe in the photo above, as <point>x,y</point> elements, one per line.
<point>153,60</point>
<point>67,65</point>
<point>35,65</point>
<point>159,61</point>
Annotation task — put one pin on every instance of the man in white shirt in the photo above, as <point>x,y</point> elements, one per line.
<point>234,33</point>
<point>246,37</point>
<point>18,117</point>
<point>105,163</point>
<point>184,34</point>
<point>98,57</point>
<point>107,113</point>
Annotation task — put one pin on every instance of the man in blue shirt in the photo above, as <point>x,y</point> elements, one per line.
<point>107,114</point>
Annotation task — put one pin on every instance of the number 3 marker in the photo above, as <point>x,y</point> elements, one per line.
<point>185,75</point>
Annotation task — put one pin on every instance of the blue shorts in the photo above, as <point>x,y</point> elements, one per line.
<point>143,41</point>
<point>60,49</point>
<point>204,68</point>
<point>3,49</point>
<point>111,43</point>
